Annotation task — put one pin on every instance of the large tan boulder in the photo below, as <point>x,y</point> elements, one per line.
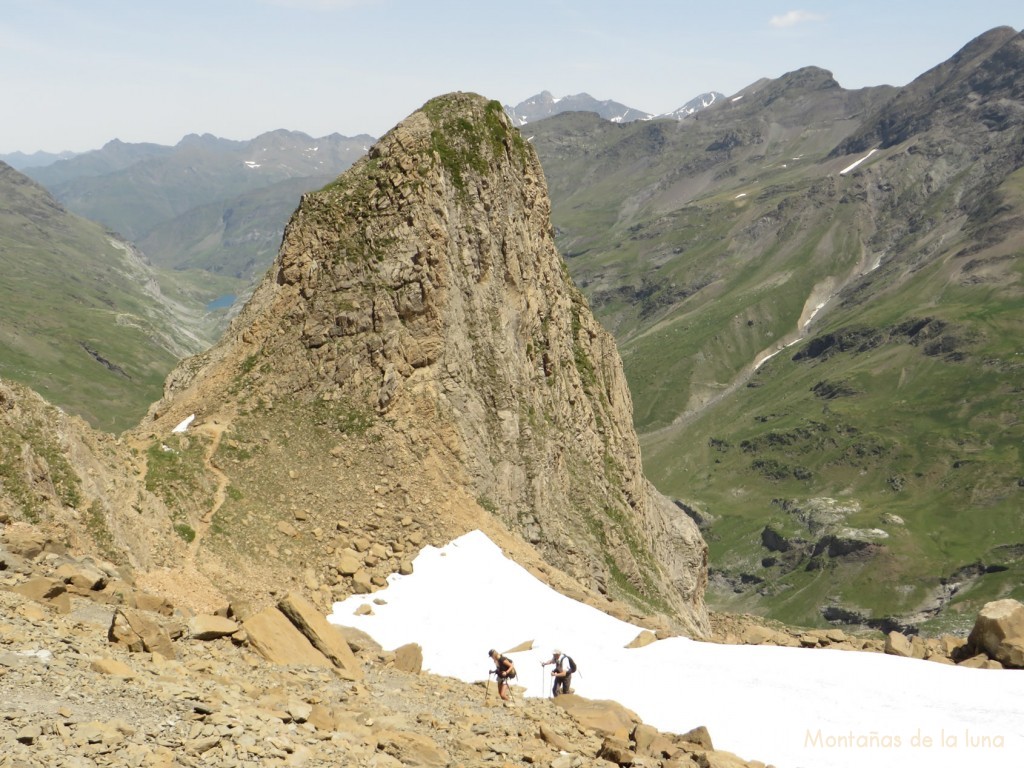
<point>606,717</point>
<point>554,738</point>
<point>358,640</point>
<point>82,576</point>
<point>898,644</point>
<point>40,588</point>
<point>327,638</point>
<point>210,627</point>
<point>137,632</point>
<point>646,637</point>
<point>277,640</point>
<point>409,658</point>
<point>25,541</point>
<point>998,622</point>
<point>616,751</point>
<point>699,736</point>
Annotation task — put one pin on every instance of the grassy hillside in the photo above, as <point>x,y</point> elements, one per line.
<point>825,361</point>
<point>82,320</point>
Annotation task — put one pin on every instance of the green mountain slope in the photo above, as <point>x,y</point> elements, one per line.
<point>236,237</point>
<point>134,188</point>
<point>82,319</point>
<point>824,359</point>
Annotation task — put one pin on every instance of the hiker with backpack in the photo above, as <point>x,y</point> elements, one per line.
<point>504,669</point>
<point>562,673</point>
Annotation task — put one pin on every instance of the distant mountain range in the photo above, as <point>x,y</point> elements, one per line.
<point>816,292</point>
<point>819,298</point>
<point>20,161</point>
<point>544,105</point>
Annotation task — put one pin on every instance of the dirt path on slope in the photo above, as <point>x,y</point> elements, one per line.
<point>215,431</point>
<point>184,584</point>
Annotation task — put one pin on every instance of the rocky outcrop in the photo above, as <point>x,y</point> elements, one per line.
<point>212,699</point>
<point>999,633</point>
<point>419,300</point>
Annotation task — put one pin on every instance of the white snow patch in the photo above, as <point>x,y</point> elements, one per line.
<point>791,707</point>
<point>849,168</point>
<point>184,425</point>
<point>817,308</point>
<point>741,194</point>
<point>736,98</point>
<point>252,164</point>
<point>773,354</point>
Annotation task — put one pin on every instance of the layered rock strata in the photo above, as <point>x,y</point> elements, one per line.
<point>420,300</point>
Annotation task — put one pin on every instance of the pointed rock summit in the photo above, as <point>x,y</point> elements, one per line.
<point>419,350</point>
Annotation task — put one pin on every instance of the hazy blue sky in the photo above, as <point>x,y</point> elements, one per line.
<point>76,73</point>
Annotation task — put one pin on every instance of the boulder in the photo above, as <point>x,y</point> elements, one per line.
<point>616,751</point>
<point>137,632</point>
<point>606,717</point>
<point>25,542</point>
<point>362,583</point>
<point>327,638</point>
<point>359,641</point>
<point>555,739</point>
<point>349,563</point>
<point>643,736</point>
<point>82,575</point>
<point>997,622</point>
<point>12,562</point>
<point>755,634</point>
<point>699,736</point>
<point>155,603</point>
<point>40,589</point>
<point>981,661</point>
<point>897,644</point>
<point>1010,653</point>
<point>206,627</point>
<point>277,640</point>
<point>409,658</point>
<point>646,637</point>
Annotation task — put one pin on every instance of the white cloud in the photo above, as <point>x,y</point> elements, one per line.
<point>792,18</point>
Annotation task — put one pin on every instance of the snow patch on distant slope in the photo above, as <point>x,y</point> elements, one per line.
<point>850,167</point>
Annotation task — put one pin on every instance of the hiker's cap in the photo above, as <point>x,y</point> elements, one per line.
<point>491,652</point>
<point>557,653</point>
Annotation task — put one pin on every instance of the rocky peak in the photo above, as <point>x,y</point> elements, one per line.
<point>422,296</point>
<point>979,88</point>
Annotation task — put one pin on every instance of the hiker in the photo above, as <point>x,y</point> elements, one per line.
<point>562,673</point>
<point>504,669</point>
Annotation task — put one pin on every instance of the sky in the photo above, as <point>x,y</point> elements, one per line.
<point>790,707</point>
<point>74,75</point>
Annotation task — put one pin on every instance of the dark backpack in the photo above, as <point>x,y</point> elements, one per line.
<point>572,664</point>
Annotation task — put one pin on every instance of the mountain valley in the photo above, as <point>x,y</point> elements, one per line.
<point>815,291</point>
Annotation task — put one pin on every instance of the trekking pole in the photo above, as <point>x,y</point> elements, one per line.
<point>487,687</point>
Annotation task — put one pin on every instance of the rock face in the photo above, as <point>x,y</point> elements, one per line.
<point>999,633</point>
<point>420,300</point>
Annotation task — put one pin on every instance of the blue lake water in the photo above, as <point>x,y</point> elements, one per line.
<point>221,302</point>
